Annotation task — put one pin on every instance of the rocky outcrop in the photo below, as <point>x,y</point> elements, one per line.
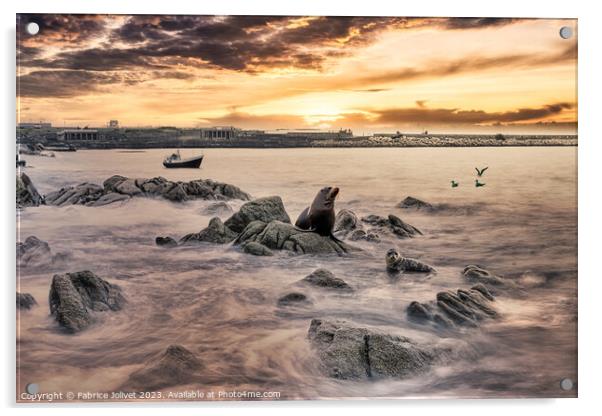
<point>262,209</point>
<point>325,279</point>
<point>278,235</point>
<point>396,263</point>
<point>74,297</point>
<point>165,242</point>
<point>33,253</point>
<point>477,274</point>
<point>119,188</point>
<point>256,249</point>
<point>293,298</point>
<point>347,225</point>
<point>25,301</point>
<point>414,203</point>
<point>350,352</point>
<point>216,232</point>
<point>393,224</point>
<point>176,366</point>
<point>463,308</point>
<point>27,194</point>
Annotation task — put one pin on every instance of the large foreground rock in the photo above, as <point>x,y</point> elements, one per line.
<point>464,308</point>
<point>119,188</point>
<point>346,351</point>
<point>75,296</point>
<point>216,232</point>
<point>25,301</point>
<point>176,366</point>
<point>27,194</point>
<point>261,209</point>
<point>33,253</point>
<point>278,235</point>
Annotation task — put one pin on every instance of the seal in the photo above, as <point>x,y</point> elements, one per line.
<point>319,216</point>
<point>396,263</point>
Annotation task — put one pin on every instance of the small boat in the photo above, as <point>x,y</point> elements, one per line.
<point>67,148</point>
<point>176,161</point>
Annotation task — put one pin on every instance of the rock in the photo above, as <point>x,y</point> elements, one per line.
<point>119,188</point>
<point>393,224</point>
<point>74,296</point>
<point>293,298</point>
<point>82,194</point>
<point>261,209</point>
<point>165,242</point>
<point>216,232</point>
<point>346,222</point>
<point>256,249</point>
<point>33,252</point>
<point>27,194</point>
<point>25,301</point>
<point>217,208</point>
<point>477,274</point>
<point>324,278</point>
<point>464,308</point>
<point>355,353</point>
<point>107,199</point>
<point>176,366</point>
<point>278,235</point>
<point>411,202</point>
<point>396,263</point>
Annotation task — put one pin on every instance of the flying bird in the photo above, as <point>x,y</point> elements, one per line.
<point>454,184</point>
<point>481,172</point>
<point>477,183</point>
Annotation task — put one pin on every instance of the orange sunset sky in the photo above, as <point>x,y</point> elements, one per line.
<point>370,74</point>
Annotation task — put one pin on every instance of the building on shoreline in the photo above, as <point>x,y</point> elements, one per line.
<point>29,125</point>
<point>78,134</point>
<point>220,133</point>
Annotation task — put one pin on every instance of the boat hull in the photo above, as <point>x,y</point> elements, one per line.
<point>192,163</point>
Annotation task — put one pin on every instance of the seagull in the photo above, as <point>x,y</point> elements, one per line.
<point>454,184</point>
<point>477,183</point>
<point>481,172</point>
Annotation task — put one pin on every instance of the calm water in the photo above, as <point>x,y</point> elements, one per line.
<point>221,304</point>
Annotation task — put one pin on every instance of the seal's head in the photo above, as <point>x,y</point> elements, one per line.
<point>392,257</point>
<point>327,195</point>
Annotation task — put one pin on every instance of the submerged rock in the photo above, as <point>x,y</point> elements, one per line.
<point>217,208</point>
<point>464,308</point>
<point>165,242</point>
<point>27,194</point>
<point>324,278</point>
<point>411,202</point>
<point>216,232</point>
<point>392,224</point>
<point>33,252</point>
<point>256,249</point>
<point>350,352</point>
<point>346,222</point>
<point>262,209</point>
<point>25,301</point>
<point>278,235</point>
<point>477,274</point>
<point>119,188</point>
<point>74,296</point>
<point>293,298</point>
<point>396,263</point>
<point>176,366</point>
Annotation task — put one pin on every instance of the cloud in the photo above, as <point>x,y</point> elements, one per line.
<point>69,29</point>
<point>461,23</point>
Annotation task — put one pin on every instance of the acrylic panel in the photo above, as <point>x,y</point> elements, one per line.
<point>295,208</point>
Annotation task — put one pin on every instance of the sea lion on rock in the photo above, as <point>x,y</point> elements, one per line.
<point>319,217</point>
<point>396,263</point>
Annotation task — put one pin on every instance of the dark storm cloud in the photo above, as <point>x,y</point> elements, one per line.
<point>455,116</point>
<point>455,23</point>
<point>72,28</point>
<point>69,83</point>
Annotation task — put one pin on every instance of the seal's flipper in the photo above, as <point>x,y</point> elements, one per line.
<point>335,239</point>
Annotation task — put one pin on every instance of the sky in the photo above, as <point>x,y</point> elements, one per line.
<point>369,74</point>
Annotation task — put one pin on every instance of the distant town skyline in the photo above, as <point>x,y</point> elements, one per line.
<point>368,74</point>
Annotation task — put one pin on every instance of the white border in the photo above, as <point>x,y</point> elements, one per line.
<point>590,138</point>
